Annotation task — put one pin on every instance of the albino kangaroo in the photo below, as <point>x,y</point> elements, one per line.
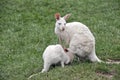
<point>78,36</point>
<point>54,54</point>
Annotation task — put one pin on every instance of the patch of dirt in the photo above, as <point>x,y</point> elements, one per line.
<point>113,61</point>
<point>108,75</point>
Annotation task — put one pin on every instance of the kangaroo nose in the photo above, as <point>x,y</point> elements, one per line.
<point>63,29</point>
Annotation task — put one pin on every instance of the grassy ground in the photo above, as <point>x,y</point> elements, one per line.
<point>27,28</point>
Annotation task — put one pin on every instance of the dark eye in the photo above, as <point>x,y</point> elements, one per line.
<point>59,23</point>
<point>64,23</point>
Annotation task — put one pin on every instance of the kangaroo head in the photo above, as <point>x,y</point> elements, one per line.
<point>61,21</point>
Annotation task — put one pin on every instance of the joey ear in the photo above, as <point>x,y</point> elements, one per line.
<point>66,50</point>
<point>57,16</point>
<point>67,16</point>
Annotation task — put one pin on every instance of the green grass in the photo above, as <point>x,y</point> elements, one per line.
<point>27,28</point>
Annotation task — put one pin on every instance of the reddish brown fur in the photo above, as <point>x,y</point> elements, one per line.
<point>57,16</point>
<point>71,56</point>
<point>66,50</point>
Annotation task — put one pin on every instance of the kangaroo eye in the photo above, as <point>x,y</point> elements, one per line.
<point>59,23</point>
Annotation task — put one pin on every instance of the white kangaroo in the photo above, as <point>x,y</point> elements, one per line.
<point>54,54</point>
<point>78,36</point>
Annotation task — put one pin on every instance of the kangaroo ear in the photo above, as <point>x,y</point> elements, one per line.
<point>67,16</point>
<point>66,50</point>
<point>57,16</point>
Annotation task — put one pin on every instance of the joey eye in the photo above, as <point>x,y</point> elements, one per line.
<point>59,23</point>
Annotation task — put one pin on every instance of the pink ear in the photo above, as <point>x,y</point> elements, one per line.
<point>67,16</point>
<point>57,16</point>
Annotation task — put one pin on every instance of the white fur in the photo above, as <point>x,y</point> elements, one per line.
<point>54,54</point>
<point>79,38</point>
